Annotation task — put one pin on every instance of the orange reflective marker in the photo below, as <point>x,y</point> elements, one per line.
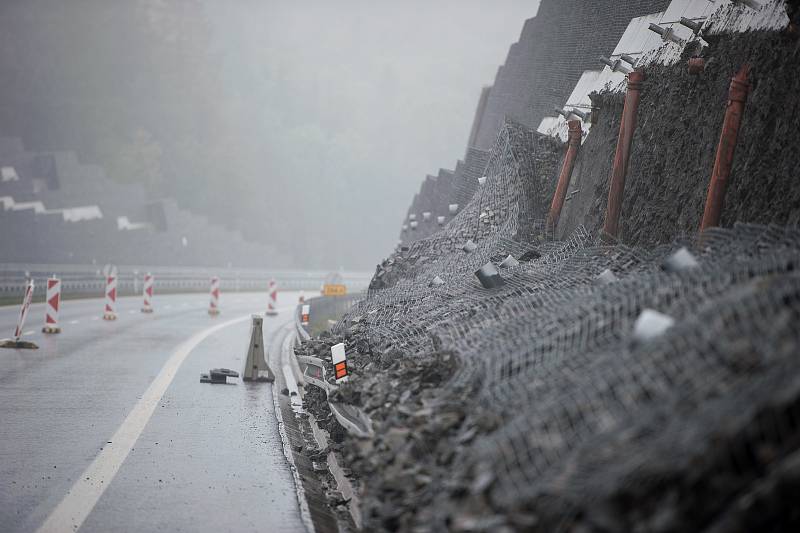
<point>339,359</point>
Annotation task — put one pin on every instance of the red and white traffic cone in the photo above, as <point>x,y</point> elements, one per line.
<point>149,281</point>
<point>111,298</point>
<point>272,305</point>
<point>213,305</point>
<point>16,342</point>
<point>52,303</point>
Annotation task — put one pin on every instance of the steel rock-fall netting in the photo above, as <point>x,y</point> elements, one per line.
<point>582,413</point>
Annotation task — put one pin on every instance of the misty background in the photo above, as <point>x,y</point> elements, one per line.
<point>308,125</point>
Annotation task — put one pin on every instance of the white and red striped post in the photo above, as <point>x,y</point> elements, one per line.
<point>111,298</point>
<point>305,311</point>
<point>213,305</point>
<point>272,304</point>
<point>149,281</point>
<point>52,304</point>
<point>23,312</point>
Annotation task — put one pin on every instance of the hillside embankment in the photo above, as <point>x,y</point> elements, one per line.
<point>604,386</point>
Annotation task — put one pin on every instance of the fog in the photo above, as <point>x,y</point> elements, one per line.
<point>308,125</point>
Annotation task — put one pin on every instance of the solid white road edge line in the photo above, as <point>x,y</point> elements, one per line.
<point>73,510</point>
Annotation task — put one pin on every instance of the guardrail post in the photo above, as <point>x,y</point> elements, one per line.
<point>627,126</point>
<point>737,96</point>
<point>575,134</point>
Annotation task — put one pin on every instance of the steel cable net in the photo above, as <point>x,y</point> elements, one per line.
<point>582,410</point>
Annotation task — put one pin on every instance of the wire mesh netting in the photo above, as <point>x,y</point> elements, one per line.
<point>584,413</point>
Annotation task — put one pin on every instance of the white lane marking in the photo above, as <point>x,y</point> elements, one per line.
<point>29,332</point>
<point>70,514</point>
<point>74,321</point>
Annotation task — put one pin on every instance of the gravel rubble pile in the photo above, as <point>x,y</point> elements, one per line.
<point>601,387</point>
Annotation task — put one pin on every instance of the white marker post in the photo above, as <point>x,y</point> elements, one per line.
<point>149,281</point>
<point>339,359</point>
<point>305,311</point>
<point>272,304</point>
<point>23,312</point>
<point>52,303</point>
<point>213,304</point>
<point>110,312</point>
<point>16,342</point>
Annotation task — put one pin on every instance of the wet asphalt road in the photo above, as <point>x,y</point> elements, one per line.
<point>209,458</point>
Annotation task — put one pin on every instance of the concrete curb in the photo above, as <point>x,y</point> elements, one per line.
<point>316,514</point>
<point>321,436</point>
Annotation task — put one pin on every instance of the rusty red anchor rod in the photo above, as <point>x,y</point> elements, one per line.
<point>627,126</point>
<point>574,136</point>
<point>737,96</point>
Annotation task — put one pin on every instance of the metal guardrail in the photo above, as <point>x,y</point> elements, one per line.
<point>325,308</point>
<point>355,421</point>
<point>88,280</point>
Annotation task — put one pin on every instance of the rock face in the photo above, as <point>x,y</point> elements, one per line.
<point>535,405</point>
<point>648,385</point>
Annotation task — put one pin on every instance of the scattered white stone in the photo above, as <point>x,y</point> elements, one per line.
<point>606,277</point>
<point>509,262</point>
<point>680,260</point>
<point>651,324</point>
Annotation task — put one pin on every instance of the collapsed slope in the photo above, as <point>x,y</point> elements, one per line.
<point>535,406</point>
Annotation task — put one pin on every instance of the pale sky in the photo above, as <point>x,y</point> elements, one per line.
<point>358,100</point>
